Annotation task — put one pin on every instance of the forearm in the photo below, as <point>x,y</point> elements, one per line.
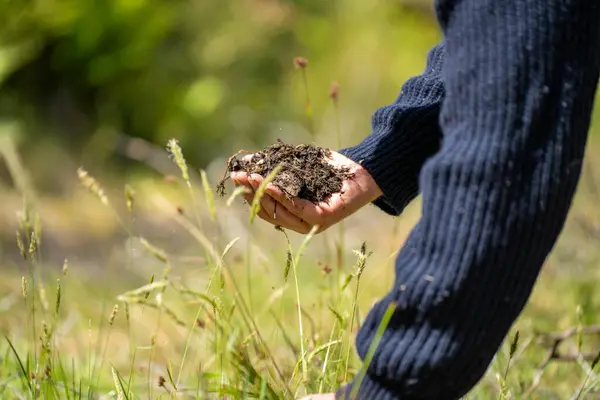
<point>520,78</point>
<point>405,134</point>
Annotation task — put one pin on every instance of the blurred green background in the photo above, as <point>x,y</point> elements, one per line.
<point>86,76</point>
<point>104,84</point>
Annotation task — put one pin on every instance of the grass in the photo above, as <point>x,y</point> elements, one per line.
<point>192,297</point>
<point>190,331</point>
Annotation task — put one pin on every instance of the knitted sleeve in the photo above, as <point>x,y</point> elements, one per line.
<point>405,134</point>
<point>520,78</point>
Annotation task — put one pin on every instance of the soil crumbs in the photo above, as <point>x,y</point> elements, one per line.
<point>304,173</point>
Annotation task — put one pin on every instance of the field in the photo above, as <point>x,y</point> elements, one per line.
<point>157,288</point>
<point>125,276</point>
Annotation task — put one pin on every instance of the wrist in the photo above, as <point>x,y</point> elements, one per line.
<point>367,182</point>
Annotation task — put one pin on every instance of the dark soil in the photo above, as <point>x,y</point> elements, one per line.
<point>304,172</point>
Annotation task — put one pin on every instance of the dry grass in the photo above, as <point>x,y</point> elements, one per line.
<point>183,295</point>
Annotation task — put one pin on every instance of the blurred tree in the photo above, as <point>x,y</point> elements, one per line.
<point>214,74</point>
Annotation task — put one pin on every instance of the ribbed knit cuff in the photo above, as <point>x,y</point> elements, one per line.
<point>369,390</point>
<point>396,151</point>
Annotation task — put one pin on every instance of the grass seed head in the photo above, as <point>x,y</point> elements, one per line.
<point>45,337</point>
<point>21,246</point>
<point>514,344</point>
<point>579,328</point>
<point>24,217</point>
<point>91,184</point>
<point>504,390</point>
<point>24,286</point>
<point>126,305</point>
<point>118,385</point>
<point>129,197</point>
<point>37,228</point>
<point>288,265</point>
<point>177,155</point>
<point>33,246</point>
<point>361,262</point>
<point>150,283</point>
<point>113,314</point>
<point>57,306</point>
<point>65,268</point>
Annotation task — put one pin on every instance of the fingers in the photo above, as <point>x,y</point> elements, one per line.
<point>301,208</point>
<point>275,213</point>
<point>298,214</point>
<point>279,215</point>
<point>285,220</point>
<point>240,178</point>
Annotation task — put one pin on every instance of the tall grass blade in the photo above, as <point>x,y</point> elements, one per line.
<point>24,372</point>
<point>337,315</point>
<point>121,395</point>
<point>587,378</point>
<point>170,375</point>
<point>322,348</point>
<point>159,254</point>
<point>149,288</point>
<point>305,242</point>
<point>385,320</point>
<point>238,191</point>
<point>228,247</point>
<point>260,192</point>
<point>208,195</point>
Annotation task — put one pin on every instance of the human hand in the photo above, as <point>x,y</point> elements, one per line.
<point>301,215</point>
<point>323,396</point>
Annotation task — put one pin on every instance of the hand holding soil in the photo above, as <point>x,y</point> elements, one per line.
<point>314,187</point>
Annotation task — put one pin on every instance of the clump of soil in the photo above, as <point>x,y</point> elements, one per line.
<point>304,172</point>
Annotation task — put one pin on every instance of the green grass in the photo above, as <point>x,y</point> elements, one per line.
<point>194,298</point>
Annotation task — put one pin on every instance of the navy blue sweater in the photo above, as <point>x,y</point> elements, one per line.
<point>492,135</point>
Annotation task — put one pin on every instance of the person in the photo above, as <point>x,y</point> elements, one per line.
<point>492,135</point>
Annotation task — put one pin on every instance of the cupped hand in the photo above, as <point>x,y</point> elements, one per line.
<point>301,215</point>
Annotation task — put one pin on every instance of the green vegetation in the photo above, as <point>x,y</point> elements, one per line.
<point>252,312</point>
<point>217,76</point>
<point>124,276</point>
